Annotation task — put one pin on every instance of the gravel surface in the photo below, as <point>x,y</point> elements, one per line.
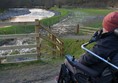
<point>31,74</point>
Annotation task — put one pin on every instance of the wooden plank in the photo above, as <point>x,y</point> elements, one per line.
<point>47,47</point>
<point>90,28</point>
<point>22,55</point>
<point>16,23</point>
<point>19,61</point>
<point>37,28</point>
<point>86,30</point>
<point>13,36</point>
<point>25,58</point>
<point>60,42</point>
<point>18,47</point>
<point>65,26</point>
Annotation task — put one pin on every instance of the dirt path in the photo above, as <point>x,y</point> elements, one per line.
<point>31,74</point>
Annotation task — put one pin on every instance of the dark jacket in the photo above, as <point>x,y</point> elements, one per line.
<point>107,48</point>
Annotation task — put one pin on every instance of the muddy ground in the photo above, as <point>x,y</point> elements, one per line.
<point>30,74</point>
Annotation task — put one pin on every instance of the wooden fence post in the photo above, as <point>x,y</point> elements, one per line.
<point>62,49</point>
<point>77,30</point>
<point>53,45</point>
<point>0,60</point>
<point>37,28</point>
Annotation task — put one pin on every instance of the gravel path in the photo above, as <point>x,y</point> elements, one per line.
<point>31,74</point>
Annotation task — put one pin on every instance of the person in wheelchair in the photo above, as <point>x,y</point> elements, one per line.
<point>106,47</point>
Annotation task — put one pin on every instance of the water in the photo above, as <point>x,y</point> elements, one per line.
<point>35,14</point>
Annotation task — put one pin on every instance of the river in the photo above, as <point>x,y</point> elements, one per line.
<point>25,15</point>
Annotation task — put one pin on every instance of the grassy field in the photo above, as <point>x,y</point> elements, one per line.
<point>100,13</point>
<point>95,11</point>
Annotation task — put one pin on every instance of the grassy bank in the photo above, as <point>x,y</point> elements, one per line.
<point>17,29</point>
<point>73,47</point>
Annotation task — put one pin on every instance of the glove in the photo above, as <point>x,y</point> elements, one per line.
<point>96,36</point>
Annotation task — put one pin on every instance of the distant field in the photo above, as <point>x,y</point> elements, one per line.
<point>95,16</point>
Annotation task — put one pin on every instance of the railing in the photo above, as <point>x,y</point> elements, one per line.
<point>78,29</point>
<point>88,30</point>
<point>56,43</point>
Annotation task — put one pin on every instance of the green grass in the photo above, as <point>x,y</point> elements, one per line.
<point>17,29</point>
<point>97,24</point>
<point>73,47</point>
<point>95,11</point>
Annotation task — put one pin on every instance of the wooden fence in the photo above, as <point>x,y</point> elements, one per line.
<point>78,29</point>
<point>56,43</point>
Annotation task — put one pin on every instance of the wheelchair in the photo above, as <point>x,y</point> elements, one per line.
<point>87,75</point>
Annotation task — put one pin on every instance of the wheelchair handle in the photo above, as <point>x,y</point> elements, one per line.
<point>83,47</point>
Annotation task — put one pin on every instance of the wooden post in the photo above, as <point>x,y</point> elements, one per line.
<point>37,28</point>
<point>53,45</point>
<point>0,60</point>
<point>62,49</point>
<point>77,30</point>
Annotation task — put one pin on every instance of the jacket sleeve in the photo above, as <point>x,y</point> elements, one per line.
<point>88,59</point>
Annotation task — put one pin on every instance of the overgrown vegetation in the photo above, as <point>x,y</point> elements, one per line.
<point>73,47</point>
